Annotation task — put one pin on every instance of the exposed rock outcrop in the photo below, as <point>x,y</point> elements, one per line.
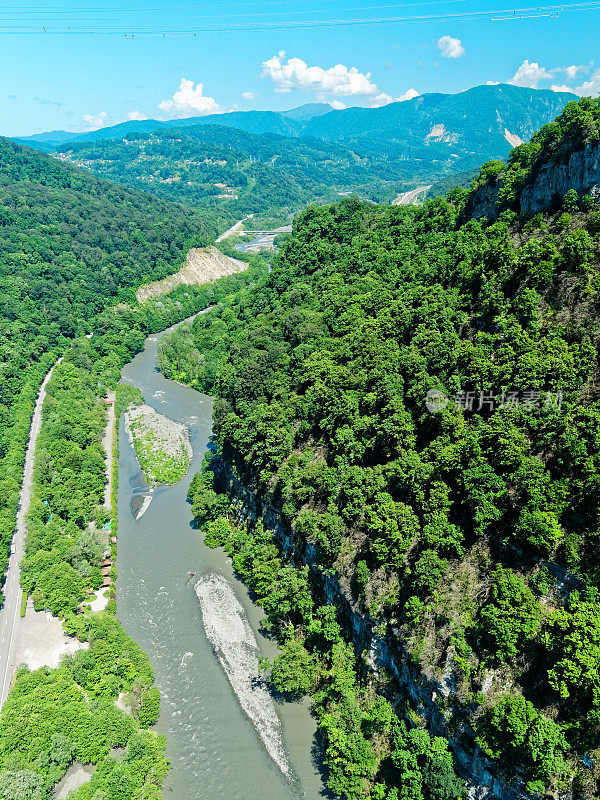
<point>201,266</point>
<point>483,203</point>
<point>548,184</point>
<point>580,172</point>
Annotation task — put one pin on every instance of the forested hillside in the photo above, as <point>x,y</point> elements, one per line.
<point>416,394</point>
<point>236,163</point>
<point>239,172</point>
<point>70,245</point>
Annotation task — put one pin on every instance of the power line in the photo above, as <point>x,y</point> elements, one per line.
<point>226,26</point>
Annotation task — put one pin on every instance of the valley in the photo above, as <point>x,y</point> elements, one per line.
<point>214,746</point>
<point>272,165</point>
<point>348,535</point>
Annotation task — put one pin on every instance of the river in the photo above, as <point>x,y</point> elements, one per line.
<point>214,749</point>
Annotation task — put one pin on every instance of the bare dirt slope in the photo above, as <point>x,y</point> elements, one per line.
<point>201,266</point>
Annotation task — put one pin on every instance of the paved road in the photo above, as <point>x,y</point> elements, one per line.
<point>107,443</point>
<point>410,198</point>
<point>10,614</point>
<point>233,229</point>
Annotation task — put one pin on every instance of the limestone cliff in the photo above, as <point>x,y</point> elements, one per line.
<point>581,171</point>
<point>546,185</point>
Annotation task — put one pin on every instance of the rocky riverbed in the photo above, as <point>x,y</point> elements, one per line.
<point>234,643</point>
<point>162,446</point>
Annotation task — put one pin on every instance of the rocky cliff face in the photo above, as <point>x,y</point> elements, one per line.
<point>580,171</point>
<point>483,203</point>
<point>484,777</point>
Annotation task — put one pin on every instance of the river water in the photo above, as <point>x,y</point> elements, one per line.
<point>215,751</point>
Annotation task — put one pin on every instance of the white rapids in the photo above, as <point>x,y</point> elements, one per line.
<point>234,643</point>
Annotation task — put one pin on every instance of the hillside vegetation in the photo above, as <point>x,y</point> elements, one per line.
<point>552,145</point>
<point>234,162</point>
<point>417,394</point>
<point>206,165</point>
<point>70,246</point>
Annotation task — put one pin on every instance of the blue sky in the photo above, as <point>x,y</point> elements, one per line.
<point>85,70</point>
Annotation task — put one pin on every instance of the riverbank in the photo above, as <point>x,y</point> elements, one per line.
<point>214,748</point>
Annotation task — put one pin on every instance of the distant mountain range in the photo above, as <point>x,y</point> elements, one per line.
<point>491,118</point>
<point>313,150</point>
<point>286,123</point>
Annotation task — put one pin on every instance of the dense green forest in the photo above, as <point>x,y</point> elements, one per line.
<point>56,716</point>
<point>416,392</point>
<point>238,172</point>
<point>71,245</point>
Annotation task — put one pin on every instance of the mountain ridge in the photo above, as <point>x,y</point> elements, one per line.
<point>327,125</point>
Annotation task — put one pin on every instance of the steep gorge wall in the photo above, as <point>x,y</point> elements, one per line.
<point>484,777</point>
<point>580,171</point>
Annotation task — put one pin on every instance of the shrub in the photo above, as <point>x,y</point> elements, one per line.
<point>570,201</point>
<point>593,223</point>
<point>512,616</point>
<point>149,707</point>
<point>514,730</point>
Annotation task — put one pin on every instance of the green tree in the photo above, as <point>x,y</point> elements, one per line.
<point>149,707</point>
<point>512,616</point>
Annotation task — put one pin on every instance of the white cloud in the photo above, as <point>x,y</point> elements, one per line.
<point>249,95</point>
<point>408,95</point>
<point>591,87</point>
<point>189,101</point>
<point>95,121</point>
<point>571,72</point>
<point>338,81</point>
<point>333,85</point>
<point>136,115</point>
<point>450,47</point>
<point>383,99</point>
<point>379,100</point>
<point>492,83</point>
<point>530,74</point>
